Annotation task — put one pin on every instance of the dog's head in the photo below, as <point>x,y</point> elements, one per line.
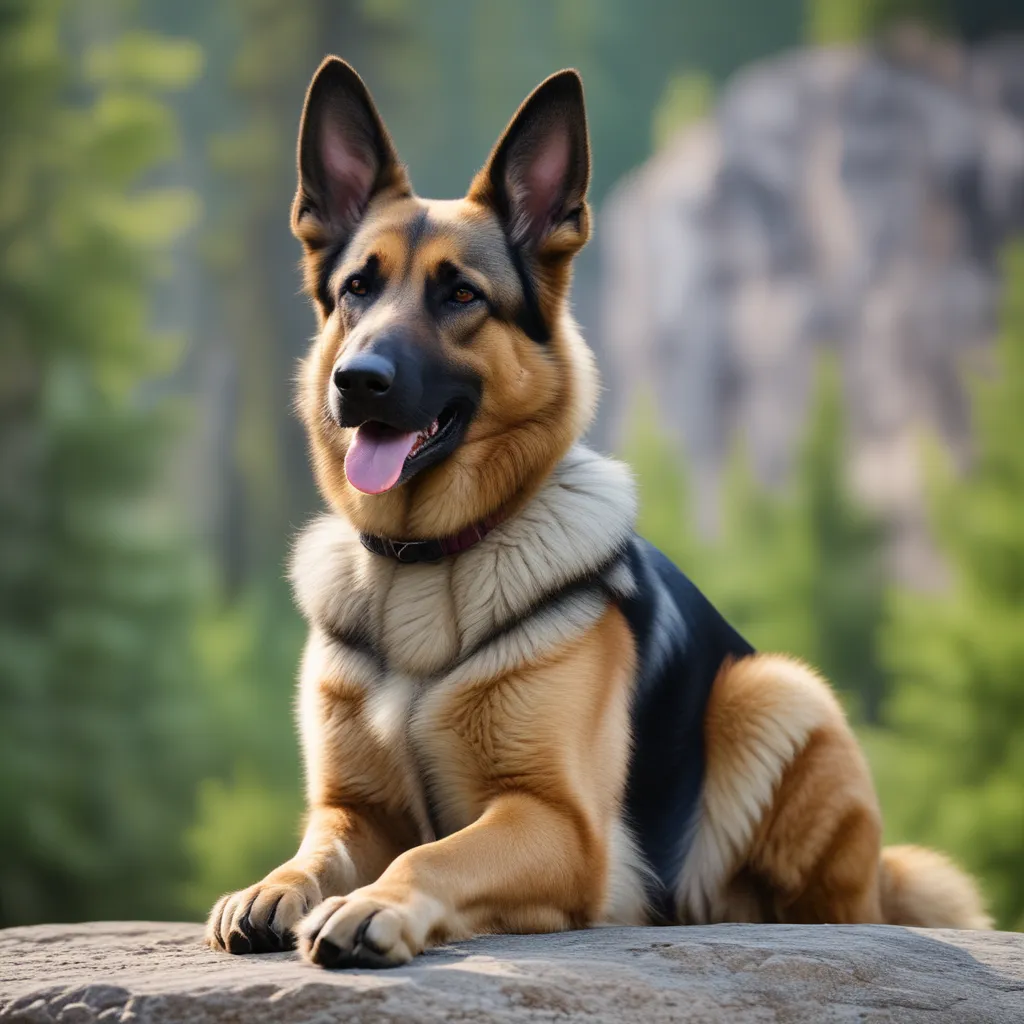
<point>447,377</point>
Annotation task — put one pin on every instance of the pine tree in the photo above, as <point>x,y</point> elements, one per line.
<point>249,810</point>
<point>98,746</point>
<point>761,573</point>
<point>957,658</point>
<point>847,589</point>
<point>664,515</point>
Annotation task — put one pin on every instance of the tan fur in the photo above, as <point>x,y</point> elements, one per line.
<point>789,828</point>
<point>488,695</point>
<point>761,714</point>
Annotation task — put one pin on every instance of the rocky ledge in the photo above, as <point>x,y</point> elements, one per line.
<point>143,972</point>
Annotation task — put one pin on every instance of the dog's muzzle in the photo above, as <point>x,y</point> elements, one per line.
<point>409,406</point>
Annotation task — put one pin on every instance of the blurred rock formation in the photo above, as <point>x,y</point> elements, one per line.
<point>853,199</point>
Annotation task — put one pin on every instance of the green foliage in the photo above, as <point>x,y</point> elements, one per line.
<point>687,97</point>
<point>100,743</point>
<point>246,826</point>
<point>249,810</point>
<point>957,658</point>
<point>846,21</point>
<point>800,572</point>
<point>662,489</point>
<point>763,575</point>
<point>847,579</point>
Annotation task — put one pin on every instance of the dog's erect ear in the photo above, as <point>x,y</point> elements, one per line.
<point>345,157</point>
<point>536,178</point>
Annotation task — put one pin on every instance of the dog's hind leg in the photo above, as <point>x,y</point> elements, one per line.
<point>818,848</point>
<point>789,828</point>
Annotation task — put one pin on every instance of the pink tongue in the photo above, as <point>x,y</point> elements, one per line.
<point>375,459</point>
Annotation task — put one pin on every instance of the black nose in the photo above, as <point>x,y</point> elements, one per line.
<point>365,375</point>
<point>382,382</point>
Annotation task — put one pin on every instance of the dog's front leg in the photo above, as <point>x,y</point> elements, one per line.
<point>356,824</point>
<point>524,865</point>
<point>539,759</point>
<point>343,847</point>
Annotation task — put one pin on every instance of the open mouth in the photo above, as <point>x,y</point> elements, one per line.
<point>381,456</point>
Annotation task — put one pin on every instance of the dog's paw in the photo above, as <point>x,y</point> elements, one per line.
<point>260,919</point>
<point>365,929</point>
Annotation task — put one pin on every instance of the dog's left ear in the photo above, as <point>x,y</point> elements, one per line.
<point>536,178</point>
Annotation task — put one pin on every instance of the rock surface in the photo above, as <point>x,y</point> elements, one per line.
<point>147,973</point>
<point>850,199</point>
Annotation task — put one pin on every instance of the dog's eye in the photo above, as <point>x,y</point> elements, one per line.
<point>357,286</point>
<point>463,295</point>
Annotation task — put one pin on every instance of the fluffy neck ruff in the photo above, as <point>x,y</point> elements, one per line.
<point>423,617</point>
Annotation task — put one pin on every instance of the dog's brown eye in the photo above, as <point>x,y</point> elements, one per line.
<point>357,286</point>
<point>463,295</point>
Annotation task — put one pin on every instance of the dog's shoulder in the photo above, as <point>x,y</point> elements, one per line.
<point>669,615</point>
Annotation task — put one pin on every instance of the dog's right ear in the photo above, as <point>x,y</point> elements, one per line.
<point>537,175</point>
<point>346,158</point>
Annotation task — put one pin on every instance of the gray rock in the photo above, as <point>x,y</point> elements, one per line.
<point>147,973</point>
<point>850,199</point>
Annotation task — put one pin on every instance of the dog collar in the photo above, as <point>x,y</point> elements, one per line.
<point>410,551</point>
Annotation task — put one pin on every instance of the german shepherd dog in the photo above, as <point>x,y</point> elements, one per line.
<point>516,715</point>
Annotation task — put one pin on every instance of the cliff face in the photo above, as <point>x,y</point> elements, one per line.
<point>847,199</point>
<point>162,974</point>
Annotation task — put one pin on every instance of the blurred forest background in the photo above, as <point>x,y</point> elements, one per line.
<point>152,475</point>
